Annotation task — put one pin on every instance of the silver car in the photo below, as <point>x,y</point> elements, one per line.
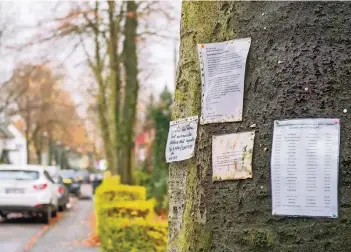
<point>62,192</point>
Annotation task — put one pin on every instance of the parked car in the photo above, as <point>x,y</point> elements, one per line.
<point>53,170</point>
<point>83,176</point>
<point>86,192</point>
<point>62,192</point>
<point>27,189</point>
<point>71,181</point>
<point>96,180</point>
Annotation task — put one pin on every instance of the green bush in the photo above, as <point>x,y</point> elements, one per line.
<point>129,209</point>
<point>111,180</point>
<point>156,185</point>
<point>133,236</point>
<point>141,177</point>
<point>109,193</point>
<point>125,219</point>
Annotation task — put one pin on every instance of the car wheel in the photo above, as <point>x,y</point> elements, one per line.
<point>62,208</point>
<point>54,213</point>
<point>47,215</point>
<point>3,215</point>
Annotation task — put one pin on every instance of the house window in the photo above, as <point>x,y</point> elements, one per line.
<point>142,154</point>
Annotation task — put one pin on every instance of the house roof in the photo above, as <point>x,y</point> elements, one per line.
<point>144,138</point>
<point>141,138</point>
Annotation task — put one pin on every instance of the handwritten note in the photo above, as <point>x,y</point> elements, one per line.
<point>181,139</point>
<point>222,68</point>
<point>304,167</point>
<point>232,156</point>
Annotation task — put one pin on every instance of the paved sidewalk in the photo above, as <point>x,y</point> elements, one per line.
<point>69,232</point>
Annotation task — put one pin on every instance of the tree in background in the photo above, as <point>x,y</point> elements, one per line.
<point>117,92</point>
<point>130,61</point>
<point>161,116</point>
<point>156,178</point>
<point>44,107</point>
<point>110,32</point>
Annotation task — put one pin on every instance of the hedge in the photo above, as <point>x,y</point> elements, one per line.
<point>108,193</point>
<point>125,219</point>
<point>111,180</point>
<point>133,236</point>
<point>129,209</point>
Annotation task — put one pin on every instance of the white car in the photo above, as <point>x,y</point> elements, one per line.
<point>27,189</point>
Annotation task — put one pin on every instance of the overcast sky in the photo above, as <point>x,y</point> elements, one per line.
<point>21,18</point>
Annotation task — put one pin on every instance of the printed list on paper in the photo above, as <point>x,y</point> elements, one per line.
<point>222,68</point>
<point>232,156</point>
<point>181,139</point>
<point>304,167</point>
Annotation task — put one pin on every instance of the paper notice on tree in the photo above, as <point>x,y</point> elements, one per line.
<point>222,68</point>
<point>304,167</point>
<point>232,156</point>
<point>181,139</point>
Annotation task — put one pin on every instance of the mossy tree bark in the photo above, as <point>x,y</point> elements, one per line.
<point>294,45</point>
<point>97,66</point>
<point>117,102</point>
<point>114,27</point>
<point>130,61</point>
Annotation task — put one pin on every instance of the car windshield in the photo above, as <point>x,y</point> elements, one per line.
<point>18,175</point>
<point>82,173</point>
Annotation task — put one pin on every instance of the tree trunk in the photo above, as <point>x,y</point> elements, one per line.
<point>28,153</point>
<point>106,136</point>
<point>114,81</point>
<point>50,149</point>
<point>130,61</point>
<point>103,108</point>
<point>28,122</point>
<point>27,146</point>
<point>38,146</point>
<point>311,42</point>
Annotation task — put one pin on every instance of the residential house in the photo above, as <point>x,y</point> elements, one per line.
<point>13,145</point>
<point>143,148</point>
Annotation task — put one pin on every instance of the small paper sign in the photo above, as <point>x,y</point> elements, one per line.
<point>181,139</point>
<point>232,156</point>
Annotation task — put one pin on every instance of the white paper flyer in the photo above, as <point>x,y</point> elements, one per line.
<point>222,67</point>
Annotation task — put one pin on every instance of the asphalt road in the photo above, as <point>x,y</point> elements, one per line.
<point>65,233</point>
<point>16,232</point>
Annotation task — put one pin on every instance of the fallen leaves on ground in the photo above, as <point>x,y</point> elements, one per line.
<point>92,240</point>
<point>35,237</point>
<point>163,216</point>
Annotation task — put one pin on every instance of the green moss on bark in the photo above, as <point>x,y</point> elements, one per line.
<point>194,236</point>
<point>256,238</point>
<point>198,21</point>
